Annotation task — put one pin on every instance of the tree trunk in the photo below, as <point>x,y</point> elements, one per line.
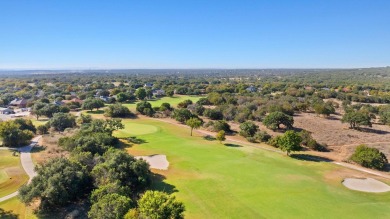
<point>191,131</point>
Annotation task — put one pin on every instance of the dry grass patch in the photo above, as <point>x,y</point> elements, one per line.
<point>48,148</point>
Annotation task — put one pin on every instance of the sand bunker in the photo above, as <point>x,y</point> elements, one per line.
<point>157,161</point>
<point>366,185</point>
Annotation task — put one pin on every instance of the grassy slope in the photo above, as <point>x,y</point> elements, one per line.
<point>216,181</point>
<point>12,174</point>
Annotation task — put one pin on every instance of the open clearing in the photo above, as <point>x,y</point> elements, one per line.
<point>12,175</point>
<point>366,185</point>
<point>340,138</point>
<point>234,181</point>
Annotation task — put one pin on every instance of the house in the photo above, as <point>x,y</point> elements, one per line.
<point>58,103</point>
<point>73,94</point>
<point>6,111</point>
<point>251,89</point>
<point>308,88</point>
<point>105,98</point>
<point>19,102</point>
<point>40,93</point>
<point>159,92</point>
<point>148,85</point>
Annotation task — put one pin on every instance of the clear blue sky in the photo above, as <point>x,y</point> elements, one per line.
<point>194,34</point>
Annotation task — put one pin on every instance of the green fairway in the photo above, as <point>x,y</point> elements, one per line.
<point>171,100</point>
<point>217,181</point>
<point>39,122</point>
<point>12,175</point>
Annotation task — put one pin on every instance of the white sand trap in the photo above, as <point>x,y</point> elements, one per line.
<point>157,161</point>
<point>366,185</point>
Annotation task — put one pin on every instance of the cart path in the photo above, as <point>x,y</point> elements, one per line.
<point>26,161</point>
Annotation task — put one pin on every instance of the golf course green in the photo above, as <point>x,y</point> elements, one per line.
<point>218,181</point>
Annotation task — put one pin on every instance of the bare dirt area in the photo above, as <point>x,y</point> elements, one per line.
<point>339,138</point>
<point>48,148</point>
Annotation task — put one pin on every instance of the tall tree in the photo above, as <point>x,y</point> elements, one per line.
<point>194,123</point>
<point>160,205</point>
<point>290,141</point>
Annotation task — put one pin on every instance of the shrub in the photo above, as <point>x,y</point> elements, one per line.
<point>221,125</point>
<point>248,129</point>
<point>42,129</point>
<point>275,119</point>
<point>274,142</point>
<point>369,157</point>
<point>262,136</point>
<point>117,111</point>
<point>251,139</point>
<point>213,114</point>
<point>290,141</point>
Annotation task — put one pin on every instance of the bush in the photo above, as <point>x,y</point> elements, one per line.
<point>42,129</point>
<point>262,136</point>
<point>117,111</point>
<point>369,157</point>
<point>274,142</point>
<point>213,114</point>
<point>275,119</point>
<point>251,139</point>
<point>248,129</point>
<point>145,108</point>
<point>219,125</point>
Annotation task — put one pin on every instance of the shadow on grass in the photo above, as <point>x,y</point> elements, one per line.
<point>375,131</point>
<point>7,214</point>
<point>78,209</point>
<point>159,184</point>
<point>209,138</point>
<point>96,112</point>
<point>309,157</point>
<point>38,148</point>
<point>232,145</point>
<point>135,140</point>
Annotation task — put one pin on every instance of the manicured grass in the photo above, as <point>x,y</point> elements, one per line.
<point>171,100</point>
<point>18,208</point>
<point>134,129</point>
<point>216,181</point>
<point>39,122</point>
<point>12,175</point>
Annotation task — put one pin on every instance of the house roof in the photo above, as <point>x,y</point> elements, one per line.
<point>18,101</point>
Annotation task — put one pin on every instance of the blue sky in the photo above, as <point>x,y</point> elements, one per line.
<point>194,34</point>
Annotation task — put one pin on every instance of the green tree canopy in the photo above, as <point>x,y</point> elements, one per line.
<point>357,119</point>
<point>160,205</point>
<point>248,129</point>
<point>58,182</point>
<point>117,111</point>
<point>61,121</point>
<point>110,206</point>
<point>290,141</point>
<point>369,157</point>
<point>194,123</point>
<point>220,136</point>
<point>13,135</point>
<point>275,119</point>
